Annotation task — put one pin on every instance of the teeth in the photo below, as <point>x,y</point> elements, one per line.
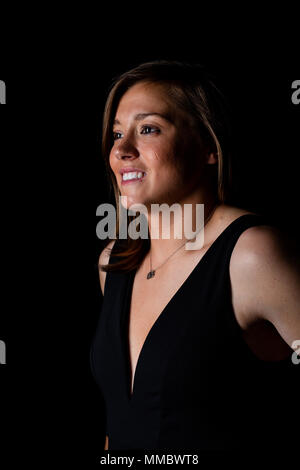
<point>132,175</point>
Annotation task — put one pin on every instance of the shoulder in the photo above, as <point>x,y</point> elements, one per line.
<point>259,245</point>
<point>264,268</point>
<point>255,243</point>
<point>104,259</point>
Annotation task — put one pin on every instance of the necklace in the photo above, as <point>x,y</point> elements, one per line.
<point>151,273</point>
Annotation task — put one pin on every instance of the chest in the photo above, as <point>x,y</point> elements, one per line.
<point>150,297</point>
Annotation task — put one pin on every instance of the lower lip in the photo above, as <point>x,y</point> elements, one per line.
<point>137,180</point>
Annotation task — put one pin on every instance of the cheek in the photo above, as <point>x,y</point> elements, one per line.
<point>113,166</point>
<point>166,161</point>
<point>112,162</point>
<point>190,159</point>
<point>159,151</point>
<point>163,165</point>
<point>166,172</point>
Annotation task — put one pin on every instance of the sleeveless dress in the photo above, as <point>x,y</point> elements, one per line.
<point>197,384</point>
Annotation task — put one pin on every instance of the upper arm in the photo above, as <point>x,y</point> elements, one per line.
<point>104,259</point>
<point>265,279</point>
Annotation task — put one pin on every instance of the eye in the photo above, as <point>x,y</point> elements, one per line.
<point>149,130</point>
<point>117,135</point>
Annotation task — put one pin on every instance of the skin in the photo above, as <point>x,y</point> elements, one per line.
<point>165,150</point>
<point>264,270</point>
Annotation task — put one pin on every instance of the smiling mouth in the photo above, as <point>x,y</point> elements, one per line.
<point>133,177</point>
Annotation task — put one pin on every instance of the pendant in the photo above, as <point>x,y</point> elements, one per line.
<point>150,274</point>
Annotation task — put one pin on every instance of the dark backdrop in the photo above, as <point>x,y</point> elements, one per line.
<point>53,181</point>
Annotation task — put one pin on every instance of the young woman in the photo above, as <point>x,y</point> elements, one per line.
<point>190,343</point>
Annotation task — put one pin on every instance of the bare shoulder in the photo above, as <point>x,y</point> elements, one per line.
<point>255,242</point>
<point>265,286</point>
<point>262,261</point>
<point>104,259</point>
<point>260,244</point>
<point>256,249</point>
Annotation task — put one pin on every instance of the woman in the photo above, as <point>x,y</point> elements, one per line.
<point>190,343</point>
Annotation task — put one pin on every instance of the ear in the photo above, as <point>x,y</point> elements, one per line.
<point>212,158</point>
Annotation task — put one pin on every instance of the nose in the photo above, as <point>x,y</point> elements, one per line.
<point>125,149</point>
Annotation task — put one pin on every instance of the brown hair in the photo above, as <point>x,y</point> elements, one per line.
<point>192,89</point>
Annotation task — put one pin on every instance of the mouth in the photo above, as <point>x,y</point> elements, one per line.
<point>133,177</point>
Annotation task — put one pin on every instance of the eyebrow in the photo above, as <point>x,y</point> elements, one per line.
<point>141,116</point>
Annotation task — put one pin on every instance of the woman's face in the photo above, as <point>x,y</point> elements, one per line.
<point>157,144</point>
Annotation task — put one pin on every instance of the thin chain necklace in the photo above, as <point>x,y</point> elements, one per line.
<point>151,273</point>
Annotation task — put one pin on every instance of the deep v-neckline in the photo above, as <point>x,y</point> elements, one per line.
<point>127,306</point>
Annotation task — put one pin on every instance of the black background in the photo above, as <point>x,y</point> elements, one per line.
<point>53,180</point>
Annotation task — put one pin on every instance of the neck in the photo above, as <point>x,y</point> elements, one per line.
<point>165,238</point>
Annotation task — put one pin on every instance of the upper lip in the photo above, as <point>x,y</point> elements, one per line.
<point>128,169</point>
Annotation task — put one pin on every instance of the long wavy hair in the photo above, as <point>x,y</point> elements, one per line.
<point>191,89</point>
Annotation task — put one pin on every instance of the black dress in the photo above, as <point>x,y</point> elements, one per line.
<point>197,384</point>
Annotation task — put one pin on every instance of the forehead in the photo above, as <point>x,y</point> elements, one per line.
<point>145,97</point>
